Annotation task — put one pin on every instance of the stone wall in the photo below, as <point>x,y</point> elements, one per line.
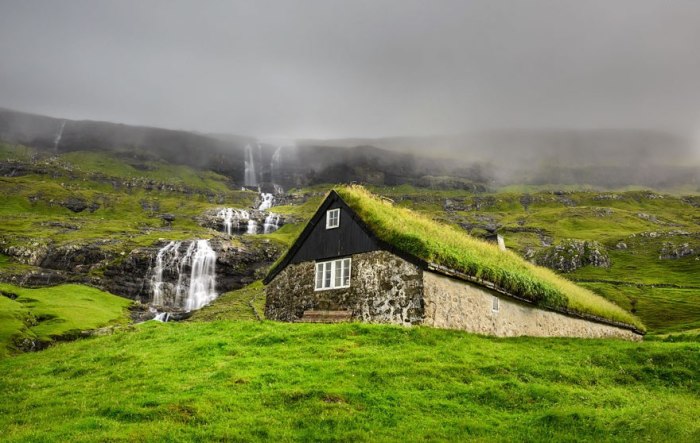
<point>383,289</point>
<point>455,304</point>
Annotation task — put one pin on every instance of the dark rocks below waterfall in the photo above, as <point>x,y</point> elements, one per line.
<point>128,275</point>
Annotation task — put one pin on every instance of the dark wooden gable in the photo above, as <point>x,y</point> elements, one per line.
<point>347,239</point>
<point>351,237</point>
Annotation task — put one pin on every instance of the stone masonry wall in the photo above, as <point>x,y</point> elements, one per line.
<point>383,289</point>
<point>455,304</point>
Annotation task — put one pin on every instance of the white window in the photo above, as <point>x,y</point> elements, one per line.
<point>333,274</point>
<point>333,218</point>
<point>494,306</point>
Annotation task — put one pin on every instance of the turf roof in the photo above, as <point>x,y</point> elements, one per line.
<point>447,246</point>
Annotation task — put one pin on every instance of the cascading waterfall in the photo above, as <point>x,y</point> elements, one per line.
<point>236,220</point>
<point>59,135</point>
<point>169,253</point>
<point>196,276</point>
<point>271,223</point>
<point>266,201</point>
<point>250,178</point>
<point>233,218</point>
<point>202,290</point>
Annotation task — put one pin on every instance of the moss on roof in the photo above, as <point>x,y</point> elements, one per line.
<point>446,245</point>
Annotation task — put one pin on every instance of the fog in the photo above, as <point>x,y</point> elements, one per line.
<point>332,69</point>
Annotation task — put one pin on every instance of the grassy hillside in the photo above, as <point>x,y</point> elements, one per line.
<point>125,199</point>
<point>128,196</point>
<point>55,313</point>
<point>243,304</point>
<point>249,381</point>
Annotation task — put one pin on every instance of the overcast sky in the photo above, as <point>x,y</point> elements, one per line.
<point>356,68</point>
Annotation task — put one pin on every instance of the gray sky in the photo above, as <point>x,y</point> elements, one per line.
<point>361,68</point>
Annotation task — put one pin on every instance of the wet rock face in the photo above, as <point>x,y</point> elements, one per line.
<point>236,266</point>
<point>383,289</point>
<point>130,275</point>
<point>570,255</point>
<point>75,258</point>
<point>671,251</point>
<point>32,254</point>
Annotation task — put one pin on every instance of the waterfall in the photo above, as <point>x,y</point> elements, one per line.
<point>252,227</point>
<point>275,163</point>
<point>279,190</point>
<point>227,215</point>
<point>58,137</point>
<point>266,201</point>
<point>202,289</point>
<point>233,219</point>
<point>171,252</point>
<point>195,272</point>
<point>250,178</point>
<point>162,316</point>
<point>271,223</point>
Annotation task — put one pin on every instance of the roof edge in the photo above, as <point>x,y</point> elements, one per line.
<point>292,250</point>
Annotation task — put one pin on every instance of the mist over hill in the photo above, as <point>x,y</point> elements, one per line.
<point>606,158</point>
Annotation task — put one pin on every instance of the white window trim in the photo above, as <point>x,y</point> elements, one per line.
<point>328,218</point>
<point>337,273</point>
<point>495,304</point>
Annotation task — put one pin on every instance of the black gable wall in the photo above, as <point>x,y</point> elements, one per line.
<point>347,239</point>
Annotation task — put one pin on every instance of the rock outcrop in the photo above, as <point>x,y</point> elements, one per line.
<point>671,251</point>
<point>571,254</point>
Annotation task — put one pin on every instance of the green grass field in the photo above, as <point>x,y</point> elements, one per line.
<point>250,381</point>
<point>55,313</point>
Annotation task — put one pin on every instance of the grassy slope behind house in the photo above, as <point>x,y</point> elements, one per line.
<point>249,381</point>
<point>446,245</point>
<point>54,313</point>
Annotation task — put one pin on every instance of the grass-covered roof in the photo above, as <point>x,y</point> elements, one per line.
<point>448,246</point>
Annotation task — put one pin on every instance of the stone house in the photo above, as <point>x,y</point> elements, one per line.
<point>340,269</point>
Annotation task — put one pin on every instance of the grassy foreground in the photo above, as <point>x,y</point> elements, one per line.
<point>250,381</point>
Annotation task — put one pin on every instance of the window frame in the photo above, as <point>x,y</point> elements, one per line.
<point>333,274</point>
<point>329,217</point>
<point>495,304</point>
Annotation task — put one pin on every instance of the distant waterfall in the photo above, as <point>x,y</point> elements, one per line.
<point>275,164</point>
<point>194,273</point>
<point>266,201</point>
<point>233,219</point>
<point>251,178</point>
<point>59,135</point>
